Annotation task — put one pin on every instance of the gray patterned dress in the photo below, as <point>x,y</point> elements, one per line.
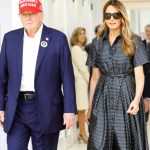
<point>111,128</point>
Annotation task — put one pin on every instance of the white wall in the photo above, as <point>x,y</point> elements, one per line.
<point>139,19</point>
<point>5,17</point>
<point>15,14</point>
<point>97,12</point>
<point>139,14</point>
<point>66,15</point>
<point>144,18</point>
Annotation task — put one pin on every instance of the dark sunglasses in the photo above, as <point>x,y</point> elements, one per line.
<point>116,15</point>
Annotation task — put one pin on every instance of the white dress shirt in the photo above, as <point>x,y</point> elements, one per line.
<point>30,52</point>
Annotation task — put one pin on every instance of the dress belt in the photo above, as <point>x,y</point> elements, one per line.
<point>117,75</point>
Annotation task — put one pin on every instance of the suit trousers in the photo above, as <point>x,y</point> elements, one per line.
<point>26,125</point>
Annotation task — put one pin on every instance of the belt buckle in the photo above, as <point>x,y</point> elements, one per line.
<point>26,96</point>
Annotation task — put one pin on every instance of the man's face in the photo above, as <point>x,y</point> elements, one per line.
<point>30,20</point>
<point>147,31</point>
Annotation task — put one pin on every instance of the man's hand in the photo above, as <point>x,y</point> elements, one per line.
<point>69,119</point>
<point>2,118</point>
<point>146,105</point>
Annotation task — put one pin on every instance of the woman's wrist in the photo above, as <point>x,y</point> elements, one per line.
<point>89,108</point>
<point>137,100</point>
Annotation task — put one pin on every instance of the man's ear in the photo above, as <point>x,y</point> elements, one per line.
<point>41,15</point>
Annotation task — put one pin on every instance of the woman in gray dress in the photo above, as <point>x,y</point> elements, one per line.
<point>115,114</point>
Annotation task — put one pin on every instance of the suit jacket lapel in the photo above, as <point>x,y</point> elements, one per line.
<point>19,43</point>
<point>45,38</point>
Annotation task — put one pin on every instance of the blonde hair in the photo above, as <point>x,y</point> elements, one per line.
<point>128,44</point>
<point>75,34</point>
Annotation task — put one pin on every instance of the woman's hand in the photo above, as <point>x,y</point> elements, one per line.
<point>87,117</point>
<point>134,107</point>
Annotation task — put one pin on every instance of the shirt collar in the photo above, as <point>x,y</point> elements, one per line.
<point>106,32</point>
<point>37,34</point>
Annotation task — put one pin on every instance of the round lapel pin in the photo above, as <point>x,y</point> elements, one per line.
<point>44,44</point>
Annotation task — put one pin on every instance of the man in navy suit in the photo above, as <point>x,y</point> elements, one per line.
<point>37,92</point>
<point>146,92</point>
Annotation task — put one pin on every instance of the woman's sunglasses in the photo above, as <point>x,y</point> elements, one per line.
<point>116,15</point>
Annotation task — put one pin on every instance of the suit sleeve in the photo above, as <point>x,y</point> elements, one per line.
<point>3,75</point>
<point>67,76</point>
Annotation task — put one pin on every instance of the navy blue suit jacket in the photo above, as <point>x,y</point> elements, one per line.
<point>53,71</point>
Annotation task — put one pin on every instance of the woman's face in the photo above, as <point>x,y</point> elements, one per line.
<point>112,18</point>
<point>82,37</point>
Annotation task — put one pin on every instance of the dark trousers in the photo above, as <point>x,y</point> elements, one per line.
<point>147,116</point>
<point>26,125</point>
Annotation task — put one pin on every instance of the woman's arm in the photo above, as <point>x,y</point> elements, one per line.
<point>94,79</point>
<point>139,80</point>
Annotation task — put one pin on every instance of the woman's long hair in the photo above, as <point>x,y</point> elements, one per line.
<point>128,45</point>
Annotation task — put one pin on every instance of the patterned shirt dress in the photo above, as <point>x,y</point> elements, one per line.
<point>111,127</point>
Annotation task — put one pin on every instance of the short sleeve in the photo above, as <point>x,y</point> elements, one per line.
<point>141,55</point>
<point>92,56</point>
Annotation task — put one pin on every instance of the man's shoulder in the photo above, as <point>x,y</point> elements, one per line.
<point>14,32</point>
<point>56,33</point>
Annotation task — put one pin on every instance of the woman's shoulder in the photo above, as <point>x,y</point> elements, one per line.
<point>76,48</point>
<point>97,43</point>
